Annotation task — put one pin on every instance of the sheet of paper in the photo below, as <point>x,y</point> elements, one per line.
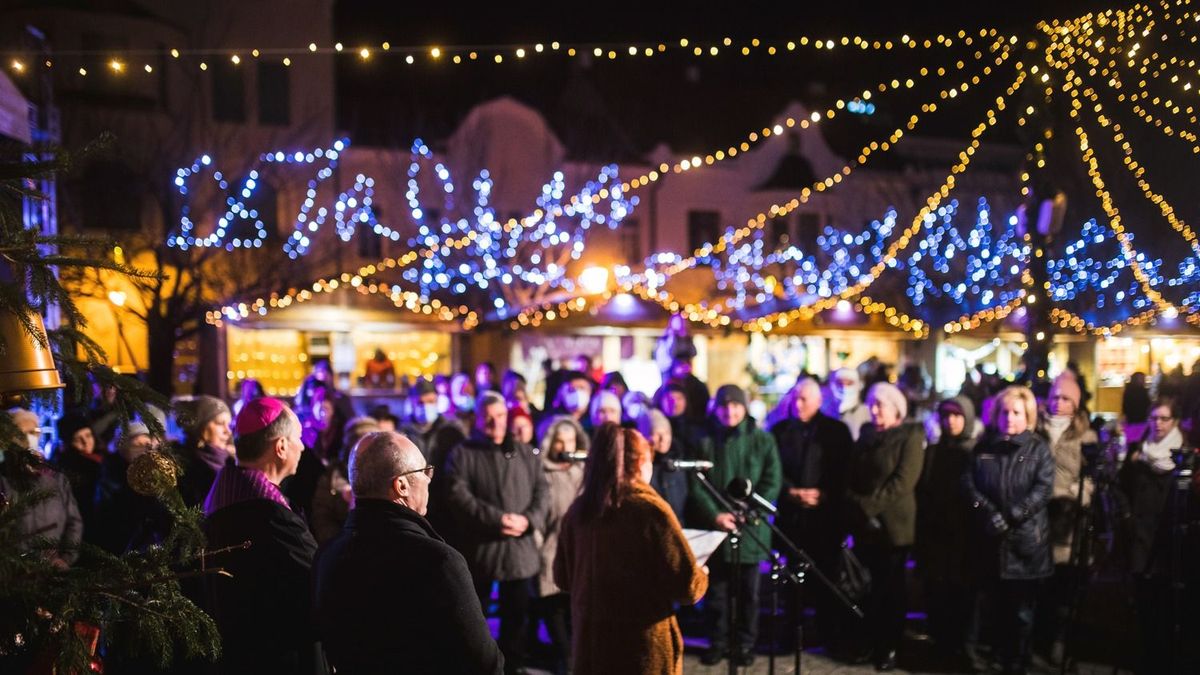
<point>703,543</point>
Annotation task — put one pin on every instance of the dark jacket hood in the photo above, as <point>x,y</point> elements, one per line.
<point>968,409</point>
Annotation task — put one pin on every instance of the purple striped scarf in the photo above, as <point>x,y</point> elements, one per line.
<point>238,484</point>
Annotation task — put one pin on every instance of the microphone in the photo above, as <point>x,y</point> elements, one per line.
<point>576,456</point>
<point>688,465</point>
<point>742,490</point>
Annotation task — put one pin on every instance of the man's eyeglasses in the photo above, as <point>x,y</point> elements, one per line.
<point>1161,418</point>
<point>428,471</point>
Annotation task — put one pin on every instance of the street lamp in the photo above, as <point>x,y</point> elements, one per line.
<point>117,298</point>
<point>594,280</point>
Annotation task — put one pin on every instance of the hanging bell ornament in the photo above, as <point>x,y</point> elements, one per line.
<point>26,365</point>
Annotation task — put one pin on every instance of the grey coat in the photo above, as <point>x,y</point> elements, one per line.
<point>56,518</point>
<point>485,481</point>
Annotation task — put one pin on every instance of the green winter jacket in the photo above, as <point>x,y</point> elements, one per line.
<point>746,452</point>
<point>884,473</point>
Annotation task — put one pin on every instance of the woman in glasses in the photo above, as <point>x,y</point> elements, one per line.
<point>1147,478</point>
<point>624,561</point>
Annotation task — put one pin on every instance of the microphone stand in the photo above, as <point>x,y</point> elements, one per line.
<point>777,568</point>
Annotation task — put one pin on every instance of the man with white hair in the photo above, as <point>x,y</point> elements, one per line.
<point>670,484</point>
<point>845,401</point>
<point>814,451</point>
<point>388,557</point>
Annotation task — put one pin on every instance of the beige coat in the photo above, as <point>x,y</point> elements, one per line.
<point>1068,462</point>
<point>564,480</point>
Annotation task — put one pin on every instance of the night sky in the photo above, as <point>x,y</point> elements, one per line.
<point>619,110</point>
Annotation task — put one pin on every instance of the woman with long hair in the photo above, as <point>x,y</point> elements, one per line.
<point>625,563</point>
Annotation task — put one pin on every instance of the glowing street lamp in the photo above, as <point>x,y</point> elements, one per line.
<point>594,280</point>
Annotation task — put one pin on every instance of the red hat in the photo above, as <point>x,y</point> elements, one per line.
<point>257,415</point>
<point>518,411</point>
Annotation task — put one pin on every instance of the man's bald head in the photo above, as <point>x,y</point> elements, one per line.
<point>377,459</point>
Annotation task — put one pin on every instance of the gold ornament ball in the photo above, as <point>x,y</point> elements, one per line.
<point>152,475</point>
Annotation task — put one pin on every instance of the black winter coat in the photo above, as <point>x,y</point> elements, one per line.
<point>1012,478</point>
<point>436,442</point>
<point>124,519</point>
<point>391,596</point>
<point>814,454</point>
<point>264,610</point>
<point>486,481</point>
<point>943,516</point>
<point>672,486</point>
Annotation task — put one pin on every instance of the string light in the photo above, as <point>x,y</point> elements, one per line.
<point>821,185</point>
<point>413,53</point>
<point>1131,164</point>
<point>467,247</point>
<point>918,223</point>
<point>1087,156</point>
<point>362,282</point>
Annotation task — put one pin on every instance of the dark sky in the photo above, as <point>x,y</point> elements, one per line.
<point>515,21</point>
<point>621,109</point>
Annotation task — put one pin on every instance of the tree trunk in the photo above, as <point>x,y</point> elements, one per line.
<point>161,349</point>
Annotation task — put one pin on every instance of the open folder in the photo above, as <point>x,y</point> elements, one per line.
<point>703,543</point>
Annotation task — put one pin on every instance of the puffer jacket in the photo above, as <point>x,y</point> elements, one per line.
<point>1012,478</point>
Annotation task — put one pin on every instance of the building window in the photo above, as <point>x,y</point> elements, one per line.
<point>703,228</point>
<point>779,233</point>
<point>809,224</point>
<point>631,239</point>
<point>274,94</point>
<point>228,91</point>
<point>110,197</point>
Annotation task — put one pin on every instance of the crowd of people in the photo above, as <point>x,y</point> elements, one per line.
<point>388,534</point>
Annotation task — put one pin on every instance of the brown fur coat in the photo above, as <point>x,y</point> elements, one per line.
<point>624,572</point>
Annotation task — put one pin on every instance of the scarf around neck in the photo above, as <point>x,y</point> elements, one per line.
<point>1056,426</point>
<point>1158,455</point>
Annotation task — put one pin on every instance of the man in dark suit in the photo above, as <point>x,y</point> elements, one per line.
<point>262,607</point>
<point>814,452</point>
<point>390,594</point>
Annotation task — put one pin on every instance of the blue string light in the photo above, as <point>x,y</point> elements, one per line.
<point>472,249</point>
<point>972,272</point>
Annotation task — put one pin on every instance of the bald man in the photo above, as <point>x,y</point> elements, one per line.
<point>391,595</point>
